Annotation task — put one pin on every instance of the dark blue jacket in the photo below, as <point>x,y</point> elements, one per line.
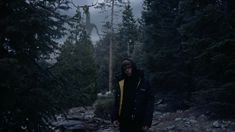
<point>143,107</point>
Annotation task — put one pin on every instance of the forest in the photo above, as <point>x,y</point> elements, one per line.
<point>49,64</point>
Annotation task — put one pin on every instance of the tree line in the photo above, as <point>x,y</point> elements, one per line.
<point>40,77</point>
<point>185,47</point>
<point>189,53</point>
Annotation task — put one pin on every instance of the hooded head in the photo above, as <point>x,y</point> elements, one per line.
<point>128,67</point>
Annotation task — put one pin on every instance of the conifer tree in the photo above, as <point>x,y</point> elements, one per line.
<point>188,49</point>
<point>127,34</point>
<point>162,59</point>
<point>28,34</point>
<point>76,66</point>
<point>208,38</point>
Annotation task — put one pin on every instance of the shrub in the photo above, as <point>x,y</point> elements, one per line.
<point>103,106</point>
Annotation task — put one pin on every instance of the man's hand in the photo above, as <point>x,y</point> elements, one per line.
<point>145,128</point>
<point>115,123</point>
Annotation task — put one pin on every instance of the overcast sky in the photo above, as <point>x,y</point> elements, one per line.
<point>98,17</point>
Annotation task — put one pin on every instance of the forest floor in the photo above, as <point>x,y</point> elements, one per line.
<point>189,121</point>
<point>181,121</point>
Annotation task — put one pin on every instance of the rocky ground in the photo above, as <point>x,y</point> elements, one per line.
<point>80,119</point>
<point>189,121</point>
<point>83,120</point>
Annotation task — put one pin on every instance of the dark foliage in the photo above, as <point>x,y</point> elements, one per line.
<point>208,41</point>
<point>27,103</point>
<point>127,34</point>
<point>163,59</point>
<point>189,52</point>
<point>28,92</point>
<point>102,61</point>
<point>75,66</point>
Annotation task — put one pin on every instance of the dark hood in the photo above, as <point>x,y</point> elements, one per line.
<point>134,68</point>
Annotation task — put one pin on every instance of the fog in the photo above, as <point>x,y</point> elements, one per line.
<point>99,17</point>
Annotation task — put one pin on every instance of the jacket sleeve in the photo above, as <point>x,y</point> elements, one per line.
<point>114,114</point>
<point>149,105</point>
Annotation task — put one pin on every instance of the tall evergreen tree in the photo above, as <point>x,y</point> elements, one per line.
<point>208,37</point>
<point>101,53</point>
<point>102,58</point>
<point>163,61</point>
<point>197,60</point>
<point>29,30</point>
<point>127,33</point>
<point>76,66</point>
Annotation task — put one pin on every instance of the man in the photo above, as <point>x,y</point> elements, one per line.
<point>134,100</point>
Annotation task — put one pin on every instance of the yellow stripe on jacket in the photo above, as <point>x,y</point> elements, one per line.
<point>121,85</point>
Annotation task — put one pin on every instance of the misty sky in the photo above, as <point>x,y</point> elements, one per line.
<point>98,17</point>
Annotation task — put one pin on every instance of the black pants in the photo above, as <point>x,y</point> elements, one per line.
<point>130,126</point>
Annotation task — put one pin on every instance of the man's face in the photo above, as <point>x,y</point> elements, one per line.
<point>128,70</point>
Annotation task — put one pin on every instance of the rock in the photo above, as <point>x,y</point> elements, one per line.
<point>156,113</point>
<point>179,111</point>
<point>107,130</point>
<point>60,117</point>
<point>192,121</point>
<point>80,119</point>
<point>208,130</point>
<point>155,123</point>
<point>70,125</point>
<point>89,114</point>
<point>170,127</point>
<point>202,117</point>
<point>178,119</point>
<point>161,107</point>
<point>216,124</point>
<point>188,124</point>
<point>225,124</point>
<point>192,117</point>
<point>76,110</point>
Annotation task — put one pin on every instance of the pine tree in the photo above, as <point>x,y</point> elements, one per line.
<point>101,50</point>
<point>198,58</point>
<point>208,38</point>
<point>162,59</point>
<point>127,34</point>
<point>76,66</point>
<point>29,93</point>
<point>102,58</point>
